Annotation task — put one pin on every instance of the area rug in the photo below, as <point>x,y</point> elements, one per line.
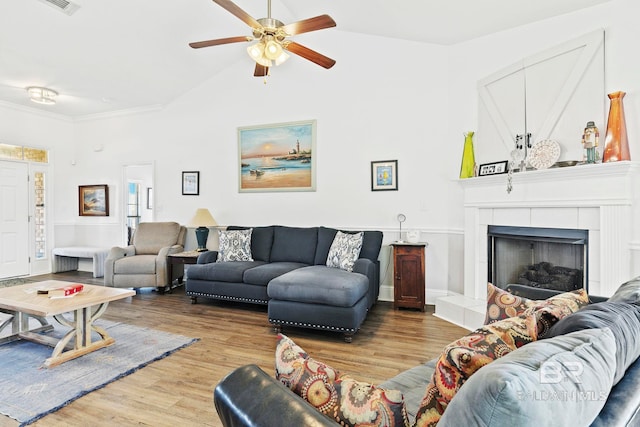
<point>12,282</point>
<point>29,391</point>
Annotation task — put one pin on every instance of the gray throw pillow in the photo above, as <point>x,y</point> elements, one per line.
<point>561,381</point>
<point>345,250</point>
<point>622,318</point>
<point>628,291</point>
<point>235,245</point>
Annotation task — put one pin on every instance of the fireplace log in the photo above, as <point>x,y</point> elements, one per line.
<point>546,276</point>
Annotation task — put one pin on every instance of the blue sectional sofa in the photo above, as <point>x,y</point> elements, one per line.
<point>289,274</point>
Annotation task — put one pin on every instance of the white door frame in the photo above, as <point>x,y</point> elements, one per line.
<point>149,171</point>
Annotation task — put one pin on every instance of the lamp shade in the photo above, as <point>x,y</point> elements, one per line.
<point>202,218</point>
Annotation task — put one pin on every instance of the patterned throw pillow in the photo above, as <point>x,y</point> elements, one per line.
<point>345,400</point>
<point>235,245</point>
<point>550,310</point>
<point>503,304</point>
<point>345,250</point>
<point>465,356</point>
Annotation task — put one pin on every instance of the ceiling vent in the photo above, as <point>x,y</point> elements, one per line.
<point>63,6</point>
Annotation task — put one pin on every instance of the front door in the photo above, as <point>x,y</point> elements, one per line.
<point>14,219</point>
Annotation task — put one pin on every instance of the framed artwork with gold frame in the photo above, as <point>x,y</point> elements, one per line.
<point>93,200</point>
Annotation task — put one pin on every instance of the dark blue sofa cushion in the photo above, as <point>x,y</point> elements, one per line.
<point>338,287</point>
<point>622,318</point>
<point>261,241</point>
<point>292,244</point>
<point>263,274</point>
<point>222,271</point>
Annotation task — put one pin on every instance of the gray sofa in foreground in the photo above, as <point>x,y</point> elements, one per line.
<point>289,274</point>
<point>596,380</point>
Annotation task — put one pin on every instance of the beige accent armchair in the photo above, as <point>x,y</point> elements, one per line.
<point>144,262</point>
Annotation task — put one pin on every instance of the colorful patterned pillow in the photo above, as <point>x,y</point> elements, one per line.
<point>347,401</point>
<point>465,356</point>
<point>550,310</point>
<point>235,245</point>
<point>306,377</point>
<point>503,304</point>
<point>345,250</point>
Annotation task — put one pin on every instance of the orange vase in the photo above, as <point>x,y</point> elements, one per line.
<point>616,144</point>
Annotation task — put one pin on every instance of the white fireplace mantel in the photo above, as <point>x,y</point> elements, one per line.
<point>602,198</point>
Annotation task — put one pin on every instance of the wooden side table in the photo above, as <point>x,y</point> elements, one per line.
<point>181,258</point>
<point>408,275</point>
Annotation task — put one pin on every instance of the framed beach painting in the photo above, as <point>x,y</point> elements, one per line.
<point>93,200</point>
<point>277,157</point>
<point>384,175</point>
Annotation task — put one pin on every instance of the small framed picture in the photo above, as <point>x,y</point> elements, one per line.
<point>93,200</point>
<point>191,183</point>
<point>495,168</point>
<point>384,175</point>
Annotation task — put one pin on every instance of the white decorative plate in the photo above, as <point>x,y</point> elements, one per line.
<point>544,154</point>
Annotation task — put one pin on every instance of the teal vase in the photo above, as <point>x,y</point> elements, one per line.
<point>468,167</point>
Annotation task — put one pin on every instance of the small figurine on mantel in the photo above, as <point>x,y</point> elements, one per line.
<point>590,141</point>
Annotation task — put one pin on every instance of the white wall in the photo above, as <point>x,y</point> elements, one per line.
<point>365,109</point>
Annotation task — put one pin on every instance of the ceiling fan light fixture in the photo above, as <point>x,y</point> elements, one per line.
<point>283,57</point>
<point>256,52</point>
<point>42,95</point>
<point>272,50</point>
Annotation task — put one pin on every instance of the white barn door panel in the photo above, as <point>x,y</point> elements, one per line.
<point>550,95</point>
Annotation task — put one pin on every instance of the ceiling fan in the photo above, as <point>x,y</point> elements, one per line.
<point>271,36</point>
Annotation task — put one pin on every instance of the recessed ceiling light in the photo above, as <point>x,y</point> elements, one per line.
<point>42,95</point>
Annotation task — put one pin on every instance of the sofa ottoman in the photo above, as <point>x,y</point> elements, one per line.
<point>319,297</point>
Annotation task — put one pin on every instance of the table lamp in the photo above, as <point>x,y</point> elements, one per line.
<point>202,220</point>
<point>401,218</point>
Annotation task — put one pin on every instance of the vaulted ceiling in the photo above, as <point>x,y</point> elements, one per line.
<point>126,54</point>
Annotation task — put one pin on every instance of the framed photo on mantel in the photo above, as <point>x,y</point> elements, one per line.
<point>493,168</point>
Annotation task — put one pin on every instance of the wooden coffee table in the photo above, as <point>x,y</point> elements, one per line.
<point>23,302</point>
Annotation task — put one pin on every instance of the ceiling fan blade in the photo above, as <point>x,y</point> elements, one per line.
<point>307,25</point>
<point>260,71</point>
<point>207,43</point>
<point>235,10</point>
<point>309,54</point>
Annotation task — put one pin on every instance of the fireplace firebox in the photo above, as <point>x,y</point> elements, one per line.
<point>549,258</point>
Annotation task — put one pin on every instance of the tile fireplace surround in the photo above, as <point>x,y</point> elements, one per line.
<point>603,199</point>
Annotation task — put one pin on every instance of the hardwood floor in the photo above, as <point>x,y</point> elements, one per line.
<point>178,390</point>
